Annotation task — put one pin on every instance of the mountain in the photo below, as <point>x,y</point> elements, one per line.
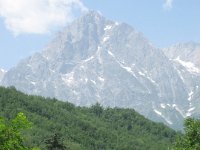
<point>98,60</point>
<point>83,128</point>
<point>185,58</point>
<point>2,73</point>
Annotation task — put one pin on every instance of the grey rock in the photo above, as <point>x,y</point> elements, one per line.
<point>185,59</point>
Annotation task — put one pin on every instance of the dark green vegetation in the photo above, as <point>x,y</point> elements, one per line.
<point>191,139</point>
<point>80,128</point>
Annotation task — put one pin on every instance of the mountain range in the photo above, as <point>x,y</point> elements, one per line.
<point>98,60</point>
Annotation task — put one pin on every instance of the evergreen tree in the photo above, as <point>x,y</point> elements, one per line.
<point>55,143</point>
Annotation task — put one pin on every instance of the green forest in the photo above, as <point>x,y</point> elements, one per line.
<point>82,128</point>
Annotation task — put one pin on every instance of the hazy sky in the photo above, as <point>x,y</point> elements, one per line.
<point>27,26</point>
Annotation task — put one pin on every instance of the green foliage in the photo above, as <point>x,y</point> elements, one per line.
<point>97,109</point>
<point>84,128</point>
<point>191,139</point>
<point>55,143</point>
<point>10,133</point>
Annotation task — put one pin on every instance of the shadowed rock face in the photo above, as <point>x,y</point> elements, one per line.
<point>98,60</point>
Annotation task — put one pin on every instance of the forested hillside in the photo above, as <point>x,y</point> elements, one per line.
<point>81,128</point>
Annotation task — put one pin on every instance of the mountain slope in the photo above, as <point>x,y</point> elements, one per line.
<point>98,60</point>
<point>185,58</point>
<point>85,128</point>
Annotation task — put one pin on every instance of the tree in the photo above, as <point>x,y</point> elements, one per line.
<point>10,133</point>
<point>191,138</point>
<point>55,143</point>
<point>97,109</point>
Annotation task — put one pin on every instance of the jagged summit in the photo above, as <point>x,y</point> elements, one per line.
<point>98,60</point>
<point>88,32</point>
<point>93,14</point>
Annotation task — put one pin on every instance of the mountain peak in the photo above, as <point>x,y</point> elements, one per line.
<point>95,13</point>
<point>92,16</point>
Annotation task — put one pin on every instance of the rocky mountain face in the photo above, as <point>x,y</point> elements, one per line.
<point>98,60</point>
<point>186,61</point>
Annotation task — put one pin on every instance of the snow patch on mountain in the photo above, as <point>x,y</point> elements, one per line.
<point>101,79</point>
<point>144,74</point>
<point>106,38</point>
<point>189,112</point>
<point>162,105</point>
<point>128,69</point>
<point>108,27</point>
<point>191,109</point>
<point>68,78</point>
<point>161,115</point>
<point>158,112</point>
<point>111,54</point>
<point>181,76</point>
<point>94,82</point>
<point>179,110</point>
<point>33,83</point>
<point>90,58</point>
<point>188,65</point>
<point>190,95</point>
<point>123,65</point>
